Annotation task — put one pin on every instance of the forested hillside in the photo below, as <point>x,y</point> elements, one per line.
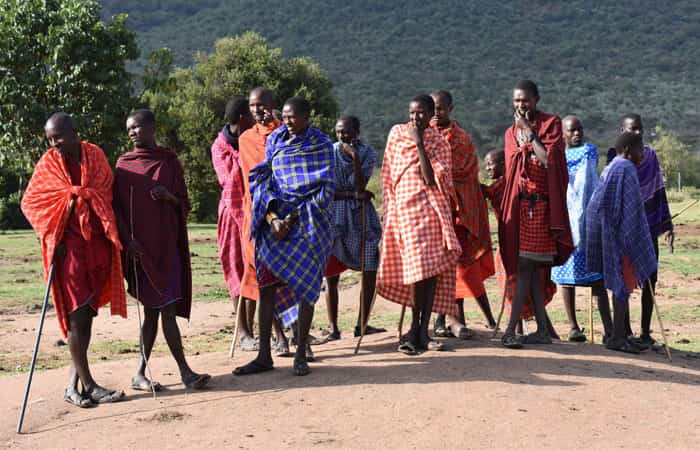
<point>592,58</point>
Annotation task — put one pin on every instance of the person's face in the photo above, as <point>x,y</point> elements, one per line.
<point>419,115</point>
<point>296,123</point>
<point>260,108</point>
<point>633,126</point>
<point>524,103</point>
<point>64,139</point>
<point>442,110</point>
<point>494,168</point>
<point>573,133</point>
<point>246,120</point>
<point>346,133</point>
<point>140,133</point>
<point>636,154</point>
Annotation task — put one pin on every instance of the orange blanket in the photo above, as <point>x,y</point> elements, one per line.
<point>251,152</point>
<point>45,204</point>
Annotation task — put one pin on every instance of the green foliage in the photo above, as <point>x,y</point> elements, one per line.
<point>194,100</point>
<point>58,55</point>
<point>675,158</point>
<point>598,60</point>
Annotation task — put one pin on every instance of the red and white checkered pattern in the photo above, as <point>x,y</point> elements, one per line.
<point>419,240</point>
<point>45,204</point>
<point>535,234</point>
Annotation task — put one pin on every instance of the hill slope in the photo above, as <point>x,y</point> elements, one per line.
<point>595,59</point>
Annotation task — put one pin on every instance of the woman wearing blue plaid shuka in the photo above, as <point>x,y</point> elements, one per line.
<point>291,225</point>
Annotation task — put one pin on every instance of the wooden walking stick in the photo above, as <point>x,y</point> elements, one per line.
<point>590,314</point>
<point>403,313</point>
<point>658,316</point>
<point>363,241</point>
<point>239,311</point>
<point>136,289</point>
<point>35,353</point>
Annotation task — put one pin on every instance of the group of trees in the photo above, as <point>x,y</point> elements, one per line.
<point>81,56</point>
<point>57,55</point>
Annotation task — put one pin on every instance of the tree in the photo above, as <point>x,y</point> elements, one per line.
<point>674,157</point>
<point>235,67</point>
<point>58,55</point>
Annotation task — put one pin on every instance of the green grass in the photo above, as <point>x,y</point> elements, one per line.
<point>22,287</point>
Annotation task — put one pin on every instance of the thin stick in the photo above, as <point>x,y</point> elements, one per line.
<point>403,313</point>
<point>239,311</point>
<point>136,289</point>
<point>363,241</point>
<point>36,349</point>
<point>500,316</point>
<point>680,212</point>
<point>590,315</point>
<point>35,353</point>
<point>661,324</point>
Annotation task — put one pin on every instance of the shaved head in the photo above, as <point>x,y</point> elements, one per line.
<point>60,121</point>
<point>261,101</point>
<point>572,131</point>
<point>263,94</point>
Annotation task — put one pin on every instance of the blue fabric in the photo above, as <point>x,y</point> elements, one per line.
<point>347,214</point>
<point>297,175</point>
<point>616,226</point>
<point>582,164</point>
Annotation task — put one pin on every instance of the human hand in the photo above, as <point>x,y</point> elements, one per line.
<point>670,239</point>
<point>59,252</point>
<point>161,193</point>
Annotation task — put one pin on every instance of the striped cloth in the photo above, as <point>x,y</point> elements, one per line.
<point>616,226</point>
<point>296,176</point>
<point>419,238</point>
<point>45,205</point>
<point>582,162</point>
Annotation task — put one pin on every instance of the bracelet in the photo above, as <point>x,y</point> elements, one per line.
<point>271,217</point>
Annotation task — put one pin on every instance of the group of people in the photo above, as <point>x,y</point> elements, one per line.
<point>295,208</point>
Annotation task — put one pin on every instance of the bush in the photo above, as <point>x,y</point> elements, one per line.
<point>11,216</point>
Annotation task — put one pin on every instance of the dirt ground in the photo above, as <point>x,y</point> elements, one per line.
<point>479,395</point>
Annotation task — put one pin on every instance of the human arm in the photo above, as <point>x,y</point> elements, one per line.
<point>426,168</point>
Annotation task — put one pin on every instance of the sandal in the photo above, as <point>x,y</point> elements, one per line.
<point>75,398</point>
<point>512,341</point>
<point>198,381</point>
<point>577,335</point>
<point>440,330</point>
<point>624,346</point>
<point>281,349</point>
<point>407,348</point>
<point>333,336</point>
<point>435,346</point>
<point>145,385</point>
<point>538,338</point>
<point>310,354</point>
<point>248,344</point>
<point>100,395</point>
<point>252,368</point>
<point>300,367</point>
<point>369,330</point>
<point>465,334</point>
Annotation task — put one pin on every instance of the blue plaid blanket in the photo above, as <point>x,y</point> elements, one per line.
<point>296,176</point>
<point>616,226</point>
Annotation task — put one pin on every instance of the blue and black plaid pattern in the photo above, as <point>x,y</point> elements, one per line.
<point>297,175</point>
<point>616,226</point>
<point>347,214</point>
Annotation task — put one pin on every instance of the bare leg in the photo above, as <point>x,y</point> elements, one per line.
<point>425,296</point>
<point>522,290</point>
<point>306,315</point>
<point>266,312</point>
<point>485,306</point>
<point>537,292</point>
<point>149,330</point>
<point>601,295</point>
<point>249,307</point>
<point>332,305</point>
<point>369,283</point>
<point>568,294</point>
<point>172,336</point>
<point>79,329</point>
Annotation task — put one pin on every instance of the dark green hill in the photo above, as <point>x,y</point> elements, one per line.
<point>597,59</point>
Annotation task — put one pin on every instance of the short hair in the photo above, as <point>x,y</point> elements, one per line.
<point>443,94</point>
<point>426,100</point>
<point>631,116</point>
<point>277,114</point>
<point>571,117</point>
<point>144,116</point>
<point>236,107</point>
<point>299,105</point>
<point>352,120</point>
<point>265,93</point>
<point>497,154</point>
<point>61,120</point>
<point>528,86</point>
<point>627,140</point>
